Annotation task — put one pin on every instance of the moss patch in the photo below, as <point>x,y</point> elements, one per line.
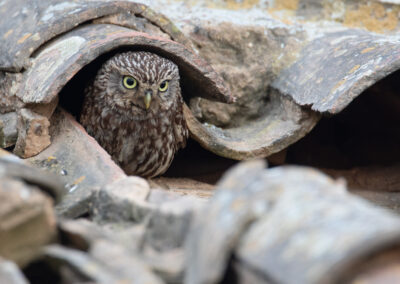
<point>372,16</point>
<point>287,4</point>
<point>227,4</point>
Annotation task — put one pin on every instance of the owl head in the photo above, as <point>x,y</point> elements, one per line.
<point>140,82</point>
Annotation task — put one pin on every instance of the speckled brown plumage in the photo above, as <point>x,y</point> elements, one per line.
<point>142,139</point>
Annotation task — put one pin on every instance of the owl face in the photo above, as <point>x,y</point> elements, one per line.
<point>140,82</point>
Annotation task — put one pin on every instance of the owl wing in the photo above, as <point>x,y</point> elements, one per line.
<point>180,130</point>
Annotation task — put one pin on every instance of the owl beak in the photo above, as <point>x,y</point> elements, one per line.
<point>147,98</point>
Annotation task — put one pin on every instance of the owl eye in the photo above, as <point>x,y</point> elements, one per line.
<point>129,82</point>
<point>163,86</point>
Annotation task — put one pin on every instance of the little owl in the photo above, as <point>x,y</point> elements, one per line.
<point>133,109</point>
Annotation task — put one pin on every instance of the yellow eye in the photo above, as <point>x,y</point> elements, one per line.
<point>129,82</point>
<point>163,86</point>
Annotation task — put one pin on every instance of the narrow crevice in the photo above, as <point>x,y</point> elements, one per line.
<point>361,144</point>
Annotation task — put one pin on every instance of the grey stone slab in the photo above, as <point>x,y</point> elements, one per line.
<point>27,220</point>
<point>10,273</point>
<point>287,225</point>
<point>8,129</point>
<point>106,263</point>
<point>333,69</point>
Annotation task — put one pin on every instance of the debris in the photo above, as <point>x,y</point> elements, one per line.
<point>288,224</point>
<point>33,134</point>
<point>10,273</point>
<point>27,221</point>
<point>8,129</point>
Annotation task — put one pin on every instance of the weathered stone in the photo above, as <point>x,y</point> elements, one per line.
<point>295,52</point>
<point>76,203</point>
<point>8,129</point>
<point>106,263</point>
<point>263,61</point>
<point>82,234</point>
<point>249,59</point>
<point>378,16</point>
<point>38,17</point>
<point>286,123</point>
<point>65,62</point>
<point>242,60</point>
<point>79,160</point>
<point>166,214</point>
<point>71,48</point>
<point>125,264</point>
<point>154,222</point>
<point>10,273</point>
<point>260,117</point>
<point>251,117</point>
<point>133,22</point>
<point>169,265</point>
<point>288,224</point>
<point>167,226</point>
<point>44,20</point>
<point>9,83</point>
<point>33,134</point>
<point>14,168</point>
<point>27,221</point>
<point>349,75</point>
<point>216,230</point>
<point>46,109</point>
<point>119,201</point>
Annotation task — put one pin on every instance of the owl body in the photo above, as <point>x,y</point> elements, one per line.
<point>133,108</point>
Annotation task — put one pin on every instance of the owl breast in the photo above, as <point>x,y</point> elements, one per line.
<point>143,146</point>
<point>134,109</point>
<point>150,153</point>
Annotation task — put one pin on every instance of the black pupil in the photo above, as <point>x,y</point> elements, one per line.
<point>130,81</point>
<point>162,85</point>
